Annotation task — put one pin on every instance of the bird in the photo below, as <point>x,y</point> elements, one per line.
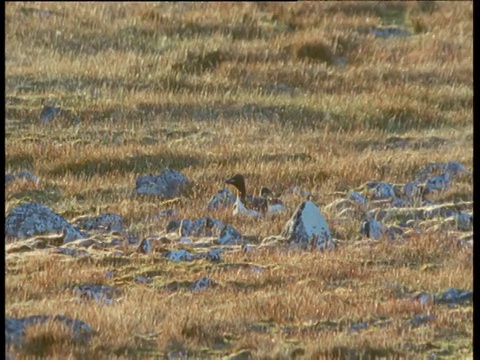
<point>253,205</point>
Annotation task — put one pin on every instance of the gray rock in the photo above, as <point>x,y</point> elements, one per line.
<point>102,294</point>
<point>202,284</point>
<point>222,199</point>
<point>169,184</point>
<point>383,191</point>
<point>200,227</point>
<point>173,225</point>
<point>179,255</point>
<point>106,221</point>
<point>31,219</point>
<point>373,229</point>
<point>48,114</point>
<point>464,221</point>
<point>230,236</point>
<point>308,225</point>
<point>438,183</point>
<point>15,327</point>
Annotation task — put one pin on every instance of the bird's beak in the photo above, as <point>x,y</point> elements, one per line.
<point>228,181</point>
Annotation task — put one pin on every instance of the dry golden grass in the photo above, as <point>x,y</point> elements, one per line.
<point>212,89</point>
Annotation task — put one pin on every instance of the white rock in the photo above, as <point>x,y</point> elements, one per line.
<point>306,225</point>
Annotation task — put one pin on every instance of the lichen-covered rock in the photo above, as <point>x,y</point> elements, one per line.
<point>169,184</point>
<point>222,199</point>
<point>230,236</point>
<point>200,227</point>
<point>438,183</point>
<point>453,168</point>
<point>357,198</point>
<point>383,191</point>
<point>15,327</point>
<point>308,227</point>
<point>413,189</point>
<point>106,221</point>
<point>30,219</point>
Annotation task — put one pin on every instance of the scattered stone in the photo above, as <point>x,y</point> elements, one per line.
<point>373,229</point>
<point>145,246</point>
<point>103,294</point>
<point>422,319</point>
<point>230,236</point>
<point>413,189</point>
<point>199,227</point>
<point>24,174</point>
<point>308,225</point>
<point>15,327</point>
<point>173,226</point>
<point>464,221</point>
<point>222,199</point>
<point>214,255</point>
<point>386,32</point>
<point>357,327</point>
<point>72,252</point>
<point>143,280</point>
<point>202,284</point>
<point>455,296</point>
<point>453,168</point>
<point>169,184</point>
<point>48,114</point>
<point>185,240</point>
<point>450,296</point>
<point>169,213</point>
<point>179,255</point>
<point>438,183</point>
<point>357,198</point>
<point>107,221</point>
<point>31,219</point>
<point>383,191</point>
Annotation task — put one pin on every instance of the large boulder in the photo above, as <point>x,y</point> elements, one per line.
<point>31,219</point>
<point>307,227</point>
